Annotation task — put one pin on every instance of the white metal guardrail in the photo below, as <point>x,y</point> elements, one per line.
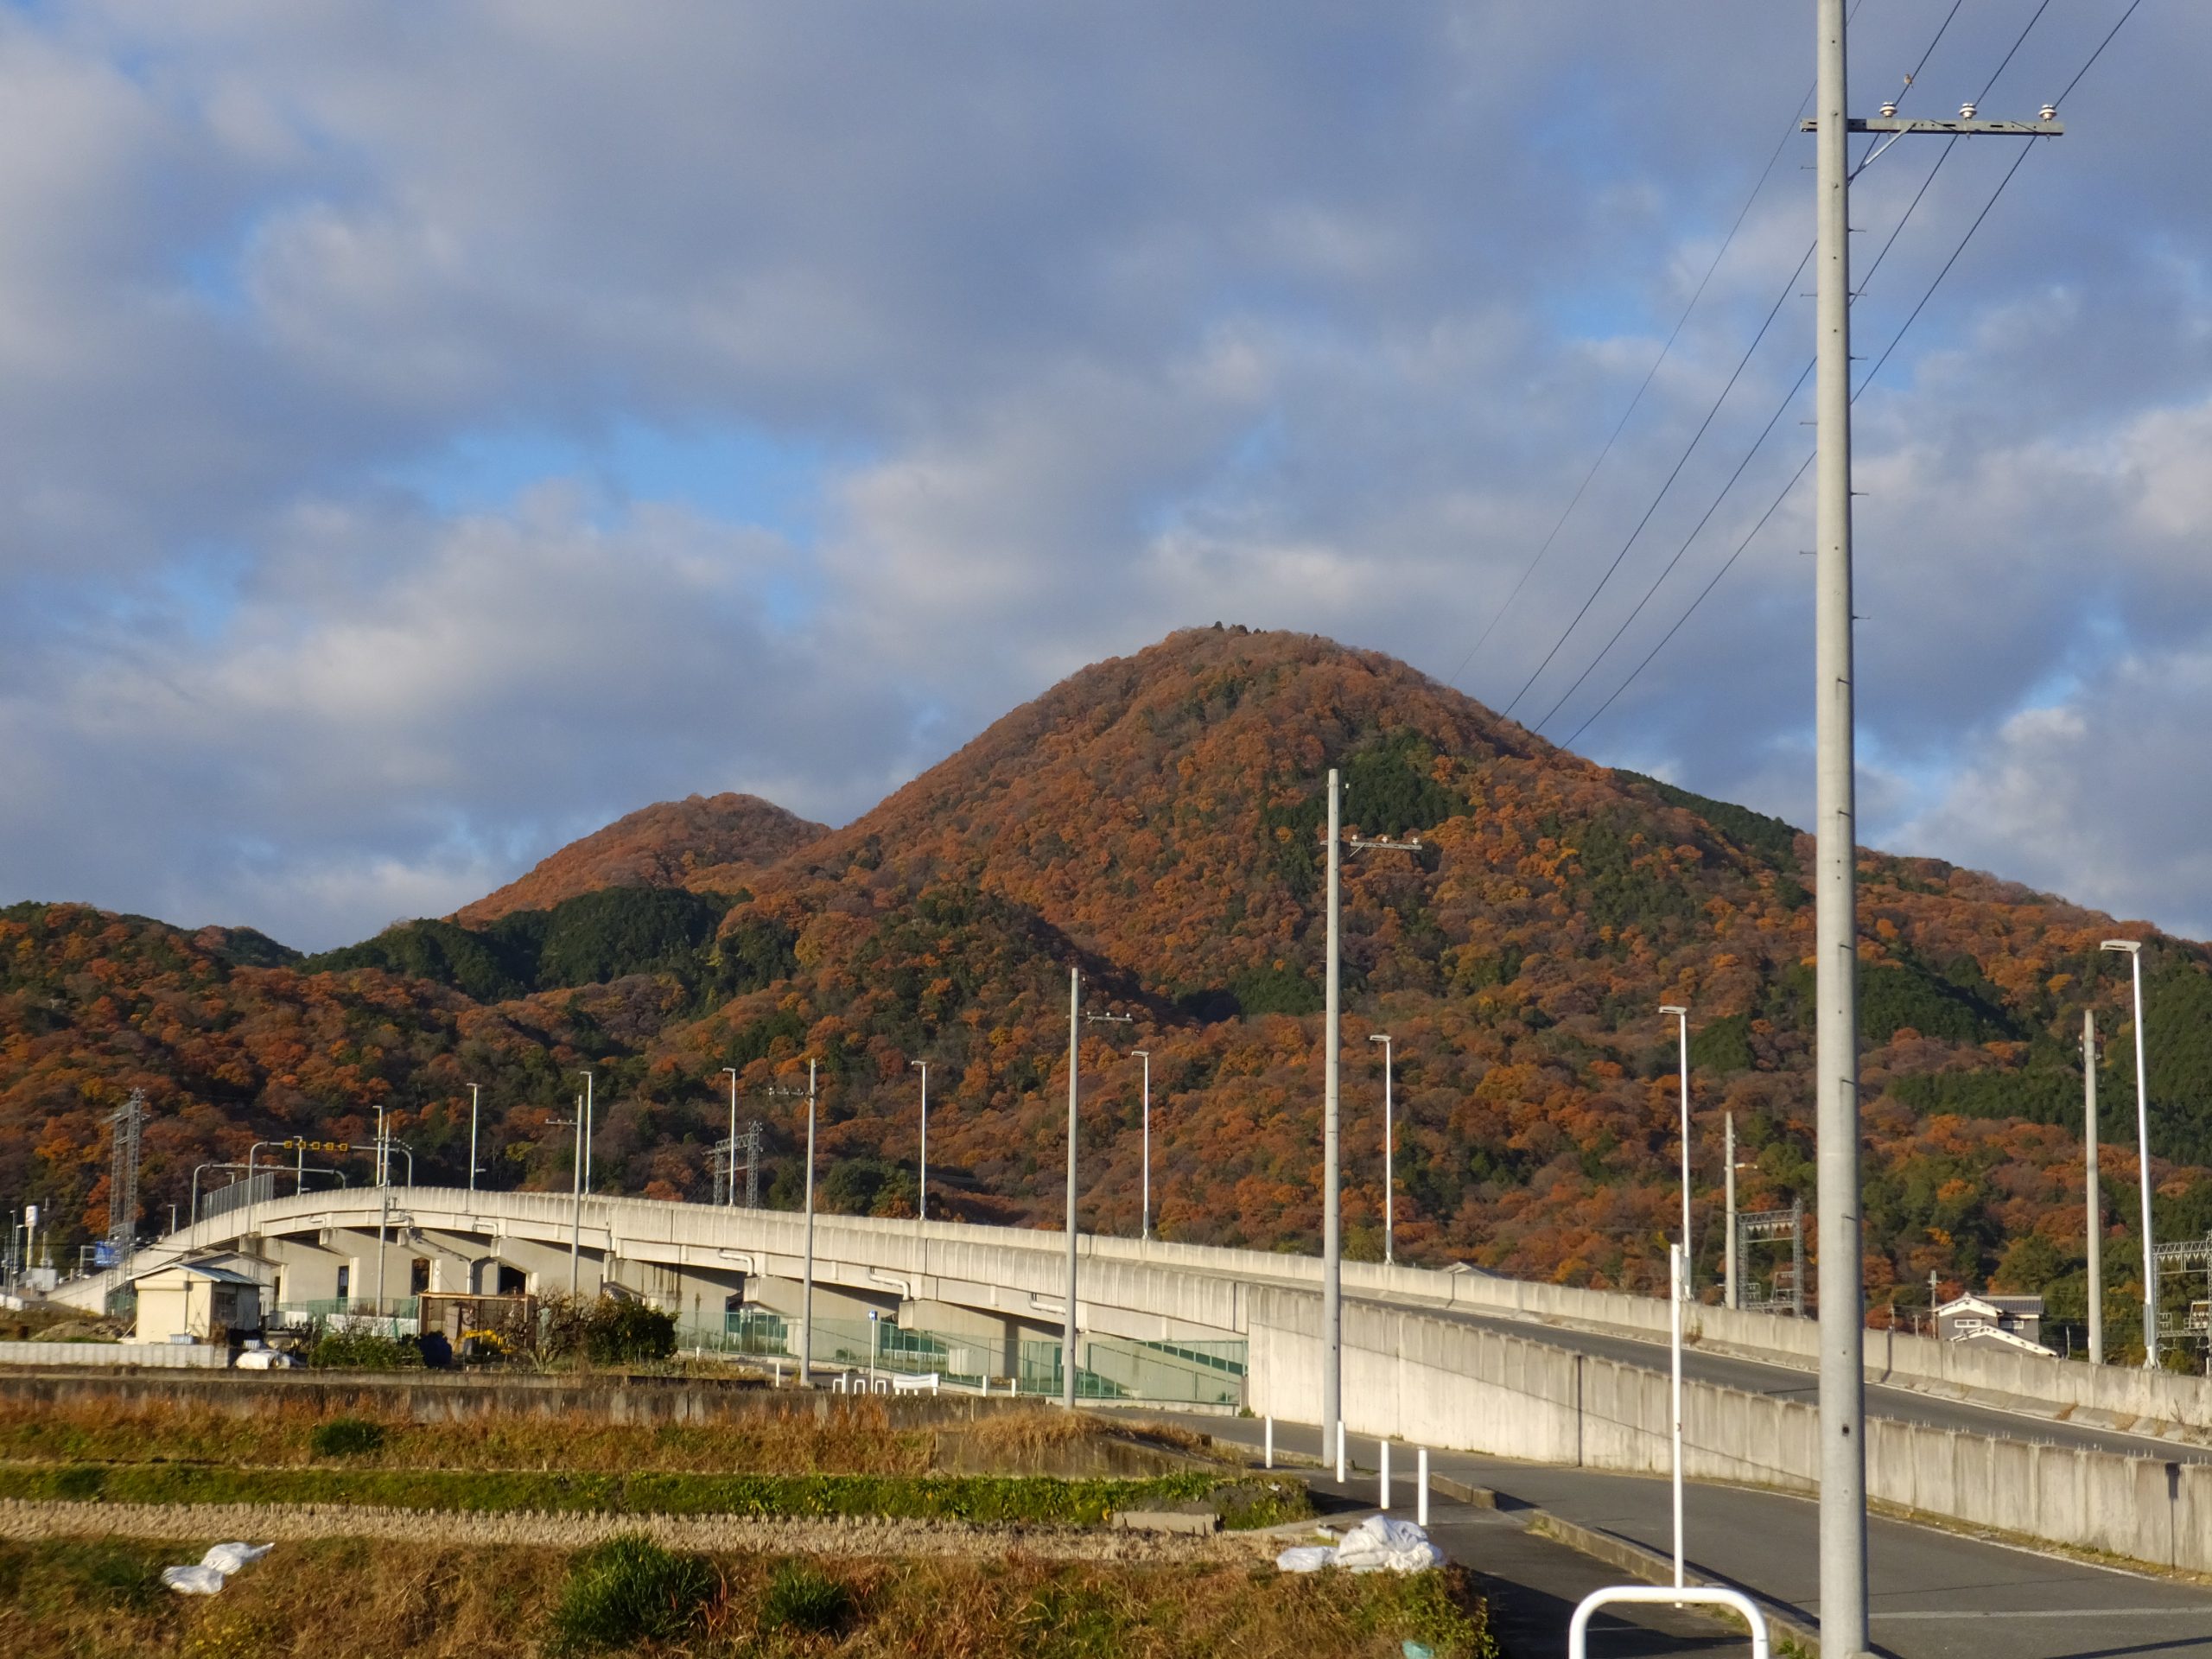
<point>1577,1628</point>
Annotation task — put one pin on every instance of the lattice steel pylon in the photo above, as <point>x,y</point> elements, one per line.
<point>125,1125</point>
<point>724,1166</point>
<point>2184,1291</point>
<point>1771,1227</point>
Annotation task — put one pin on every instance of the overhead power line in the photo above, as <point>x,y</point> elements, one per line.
<point>1568,632</point>
<point>1896,339</point>
<point>1619,426</point>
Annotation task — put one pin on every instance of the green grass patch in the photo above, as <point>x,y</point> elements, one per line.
<point>630,1590</point>
<point>346,1437</point>
<point>984,1499</point>
<point>102,1575</point>
<point>804,1600</point>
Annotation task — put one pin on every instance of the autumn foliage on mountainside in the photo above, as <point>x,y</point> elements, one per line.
<point>1156,822</point>
<point>702,842</point>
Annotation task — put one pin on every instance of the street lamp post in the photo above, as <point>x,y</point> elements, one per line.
<point>2134,950</point>
<point>922,1190</point>
<point>732,1176</point>
<point>1390,1179</point>
<point>1067,1322</point>
<point>2096,1193</point>
<point>475,1091</point>
<point>806,1291</point>
<point>1682,1025</point>
<point>1144,1207</point>
<point>1075,1018</point>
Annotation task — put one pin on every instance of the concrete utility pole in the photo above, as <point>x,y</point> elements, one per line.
<point>1728,1281</point>
<point>806,1289</point>
<point>1842,1343</point>
<point>2095,1195</point>
<point>922,1191</point>
<point>1843,1296</point>
<point>1682,1021</point>
<point>1067,1322</point>
<point>1332,1255</point>
<point>733,1137</point>
<point>2134,950</point>
<point>1389,1226</point>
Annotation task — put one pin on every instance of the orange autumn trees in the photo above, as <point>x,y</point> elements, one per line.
<point>1156,820</point>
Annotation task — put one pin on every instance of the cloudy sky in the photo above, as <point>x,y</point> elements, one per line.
<point>427,433</point>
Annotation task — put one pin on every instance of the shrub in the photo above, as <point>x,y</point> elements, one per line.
<point>629,1590</point>
<point>359,1351</point>
<point>803,1598</point>
<point>346,1437</point>
<point>617,1331</point>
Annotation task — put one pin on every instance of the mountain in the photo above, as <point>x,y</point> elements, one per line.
<point>1156,822</point>
<point>703,842</point>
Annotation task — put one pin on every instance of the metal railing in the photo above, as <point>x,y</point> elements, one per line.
<point>1578,1628</point>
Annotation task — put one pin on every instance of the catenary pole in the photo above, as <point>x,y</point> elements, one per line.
<point>1389,1225</point>
<point>1067,1321</point>
<point>922,1188</point>
<point>1144,1213</point>
<point>2095,1194</point>
<point>577,1204</point>
<point>1728,1262</point>
<point>1842,1318</point>
<point>1332,1218</point>
<point>732,1173</point>
<point>2134,950</point>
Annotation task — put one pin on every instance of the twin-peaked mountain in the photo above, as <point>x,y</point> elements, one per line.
<point>1156,820</point>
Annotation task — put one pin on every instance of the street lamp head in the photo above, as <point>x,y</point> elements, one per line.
<point>1382,1037</point>
<point>1139,1053</point>
<point>924,1064</point>
<point>2129,945</point>
<point>1674,1009</point>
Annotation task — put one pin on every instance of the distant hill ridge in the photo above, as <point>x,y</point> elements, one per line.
<point>1156,820</point>
<point>702,842</point>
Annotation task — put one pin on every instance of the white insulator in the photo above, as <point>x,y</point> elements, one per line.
<point>1965,112</point>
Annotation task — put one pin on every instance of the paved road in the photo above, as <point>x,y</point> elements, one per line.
<point>1935,1594</point>
<point>1787,1381</point>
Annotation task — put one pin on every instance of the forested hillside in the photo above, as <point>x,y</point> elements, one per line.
<point>1157,822</point>
<point>703,841</point>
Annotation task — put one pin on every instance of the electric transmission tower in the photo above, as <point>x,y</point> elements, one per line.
<point>125,1125</point>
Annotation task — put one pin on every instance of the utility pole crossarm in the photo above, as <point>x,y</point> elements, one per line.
<point>1963,127</point>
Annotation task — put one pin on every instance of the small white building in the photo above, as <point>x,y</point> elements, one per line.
<point>198,1301</point>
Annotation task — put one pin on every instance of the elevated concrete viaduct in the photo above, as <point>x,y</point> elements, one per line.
<point>1455,1359</point>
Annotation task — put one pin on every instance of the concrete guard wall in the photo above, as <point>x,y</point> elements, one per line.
<point>162,1356</point>
<point>1414,1377</point>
